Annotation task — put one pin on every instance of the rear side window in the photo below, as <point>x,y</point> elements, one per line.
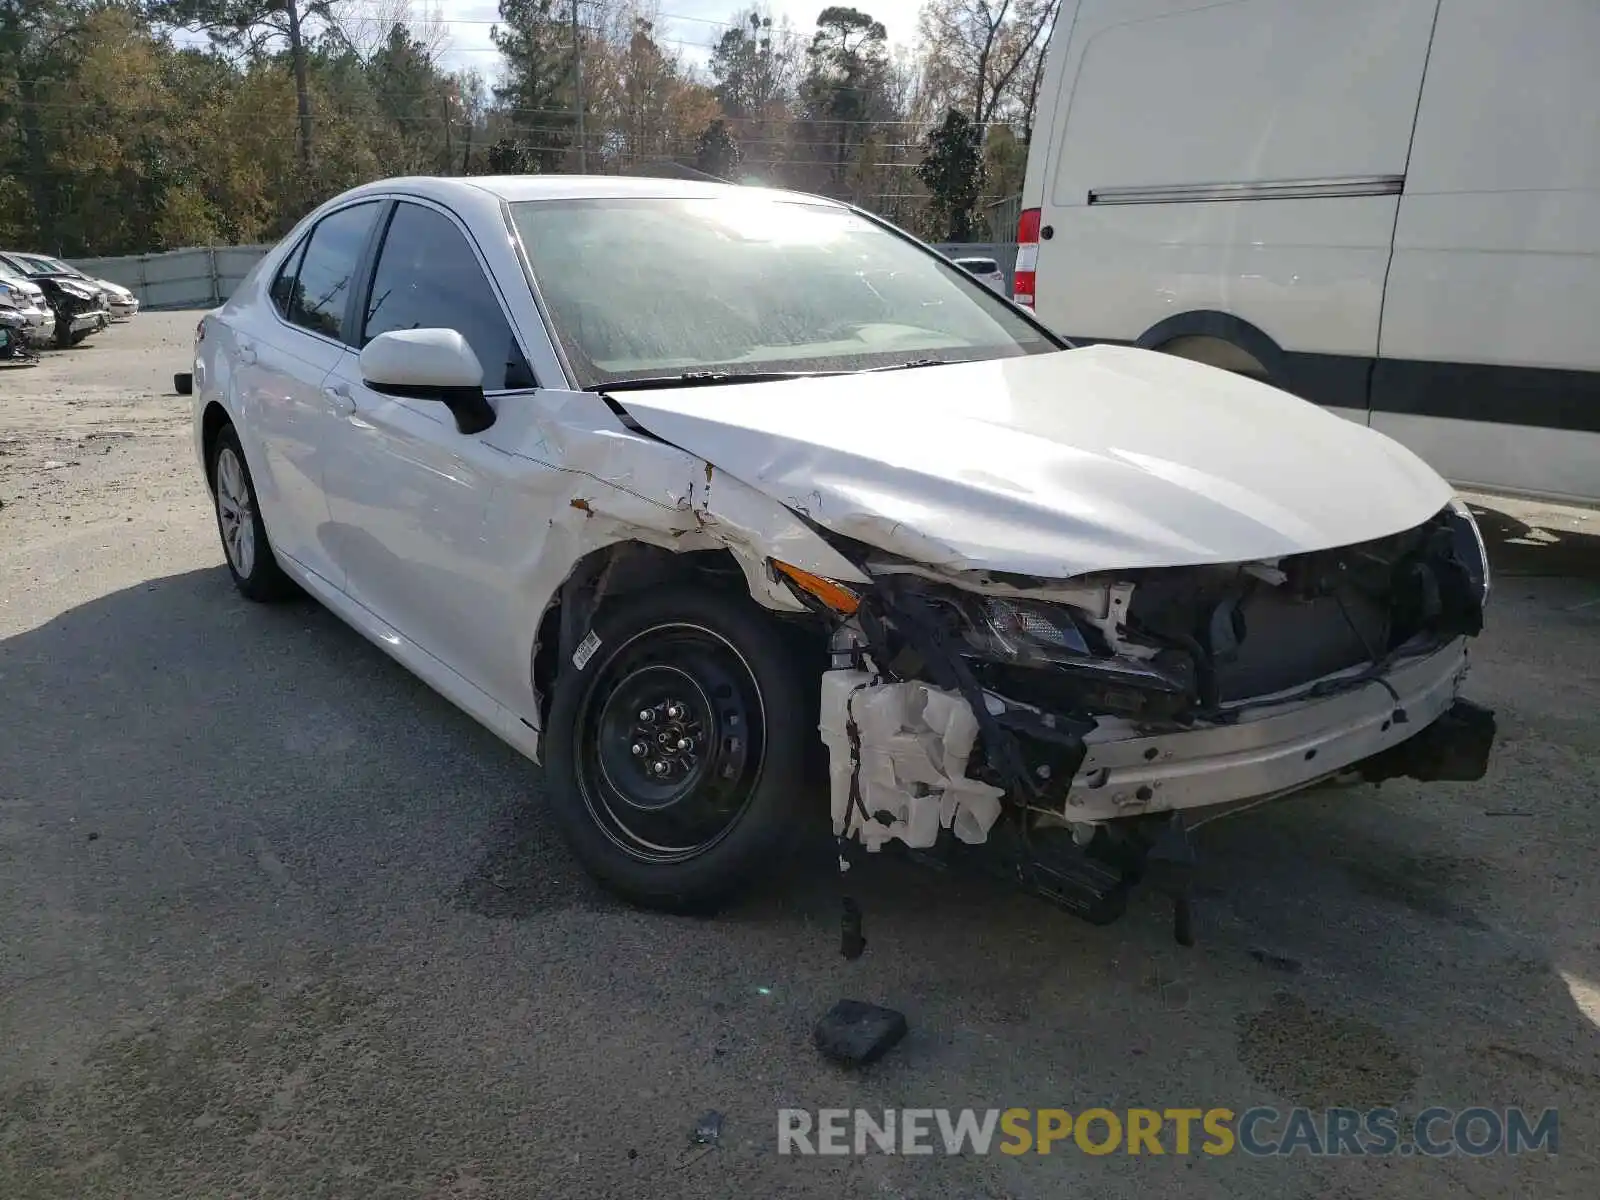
<point>428,277</point>
<point>327,270</point>
<point>283,283</point>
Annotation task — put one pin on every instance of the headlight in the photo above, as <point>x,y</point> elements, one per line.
<point>1020,632</point>
<point>1030,633</point>
<point>10,296</point>
<point>74,290</point>
<point>1470,547</point>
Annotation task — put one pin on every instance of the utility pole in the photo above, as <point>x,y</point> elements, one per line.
<point>577,61</point>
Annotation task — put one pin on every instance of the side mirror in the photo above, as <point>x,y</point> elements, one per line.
<point>430,364</point>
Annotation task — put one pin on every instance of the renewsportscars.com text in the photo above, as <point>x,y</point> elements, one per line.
<point>1258,1132</point>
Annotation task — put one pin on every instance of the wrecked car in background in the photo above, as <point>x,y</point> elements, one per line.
<point>26,321</point>
<point>120,302</point>
<point>81,306</point>
<point>661,480</point>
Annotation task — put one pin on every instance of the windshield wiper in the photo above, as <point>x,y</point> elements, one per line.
<point>714,378</point>
<point>708,379</point>
<point>906,366</point>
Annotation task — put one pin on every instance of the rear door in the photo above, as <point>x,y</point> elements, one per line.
<point>284,360</point>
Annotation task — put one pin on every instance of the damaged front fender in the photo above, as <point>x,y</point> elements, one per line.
<point>576,482</point>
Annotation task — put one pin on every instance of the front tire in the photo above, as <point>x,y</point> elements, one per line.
<point>675,754</point>
<point>245,546</point>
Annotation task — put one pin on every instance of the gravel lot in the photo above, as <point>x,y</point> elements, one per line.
<point>280,922</point>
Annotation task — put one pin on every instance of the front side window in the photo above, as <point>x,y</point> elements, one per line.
<point>428,277</point>
<point>327,270</point>
<point>647,287</point>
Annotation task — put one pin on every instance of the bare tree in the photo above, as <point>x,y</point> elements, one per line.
<point>980,54</point>
<point>364,26</point>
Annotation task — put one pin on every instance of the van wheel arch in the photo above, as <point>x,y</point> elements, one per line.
<point>1218,339</point>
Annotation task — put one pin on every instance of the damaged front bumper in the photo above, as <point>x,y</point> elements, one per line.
<point>1269,751</point>
<point>899,752</point>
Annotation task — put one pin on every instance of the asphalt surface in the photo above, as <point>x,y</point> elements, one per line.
<point>278,921</point>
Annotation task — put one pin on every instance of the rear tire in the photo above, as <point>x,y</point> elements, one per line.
<point>245,545</point>
<point>675,755</point>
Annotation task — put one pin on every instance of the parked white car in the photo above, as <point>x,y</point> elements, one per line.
<point>24,311</point>
<point>986,270</point>
<point>656,478</point>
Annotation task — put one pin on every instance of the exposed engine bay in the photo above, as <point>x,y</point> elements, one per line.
<point>1069,733</point>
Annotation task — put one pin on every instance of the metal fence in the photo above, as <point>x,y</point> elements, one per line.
<point>197,278</point>
<point>206,276</point>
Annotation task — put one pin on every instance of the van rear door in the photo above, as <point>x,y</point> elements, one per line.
<point>1241,159</point>
<point>1490,363</point>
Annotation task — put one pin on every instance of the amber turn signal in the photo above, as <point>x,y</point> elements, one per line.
<point>840,599</point>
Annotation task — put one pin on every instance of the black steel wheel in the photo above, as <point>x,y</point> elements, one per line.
<point>675,751</point>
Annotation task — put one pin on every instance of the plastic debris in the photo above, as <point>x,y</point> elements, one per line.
<point>898,762</point>
<point>854,1033</point>
<point>708,1129</point>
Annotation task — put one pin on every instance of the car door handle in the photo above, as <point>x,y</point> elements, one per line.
<point>338,395</point>
<point>247,353</point>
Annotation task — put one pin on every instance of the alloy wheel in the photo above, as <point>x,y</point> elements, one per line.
<point>236,512</point>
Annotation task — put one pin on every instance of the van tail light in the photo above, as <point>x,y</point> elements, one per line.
<point>1022,288</point>
<point>1027,257</point>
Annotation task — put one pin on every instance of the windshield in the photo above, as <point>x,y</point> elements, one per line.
<point>38,264</point>
<point>21,266</point>
<point>649,287</point>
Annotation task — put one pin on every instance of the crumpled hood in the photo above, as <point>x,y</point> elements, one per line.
<point>1055,465</point>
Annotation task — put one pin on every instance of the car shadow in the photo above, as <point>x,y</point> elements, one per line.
<point>1553,549</point>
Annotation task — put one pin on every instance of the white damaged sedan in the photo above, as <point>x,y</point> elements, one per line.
<point>661,480</point>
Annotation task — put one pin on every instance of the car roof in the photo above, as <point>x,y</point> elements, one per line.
<point>515,188</point>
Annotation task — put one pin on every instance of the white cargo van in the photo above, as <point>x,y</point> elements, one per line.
<point>1388,207</point>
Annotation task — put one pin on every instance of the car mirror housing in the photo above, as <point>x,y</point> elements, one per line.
<point>430,364</point>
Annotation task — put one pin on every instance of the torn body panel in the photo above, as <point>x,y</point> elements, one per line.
<point>1121,701</point>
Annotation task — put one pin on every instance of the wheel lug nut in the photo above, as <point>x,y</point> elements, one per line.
<point>675,712</point>
<point>646,715</point>
<point>684,743</point>
<point>659,767</point>
<point>640,749</point>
